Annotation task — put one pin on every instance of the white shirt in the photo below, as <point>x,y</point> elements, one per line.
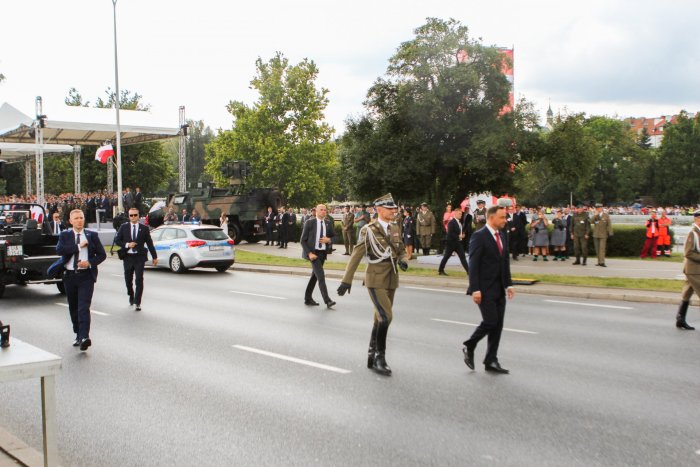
<point>82,252</point>
<point>132,236</point>
<point>385,225</point>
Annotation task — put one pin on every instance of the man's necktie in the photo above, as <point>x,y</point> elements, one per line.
<point>323,234</point>
<point>133,233</point>
<point>56,228</point>
<point>77,255</point>
<point>498,242</point>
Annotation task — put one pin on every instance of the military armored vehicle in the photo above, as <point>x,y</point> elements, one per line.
<point>245,208</point>
<point>27,248</point>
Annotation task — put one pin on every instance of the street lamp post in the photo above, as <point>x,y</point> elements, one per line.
<point>116,106</point>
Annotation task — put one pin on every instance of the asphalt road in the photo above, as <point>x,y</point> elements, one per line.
<point>203,376</point>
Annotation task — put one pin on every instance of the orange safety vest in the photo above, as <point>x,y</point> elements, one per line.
<point>650,223</point>
<point>664,237</point>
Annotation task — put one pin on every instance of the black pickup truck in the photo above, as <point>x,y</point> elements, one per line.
<point>27,247</point>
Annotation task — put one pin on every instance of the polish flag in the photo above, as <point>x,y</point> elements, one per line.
<point>104,153</point>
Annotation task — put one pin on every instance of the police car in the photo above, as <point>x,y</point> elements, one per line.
<point>184,246</point>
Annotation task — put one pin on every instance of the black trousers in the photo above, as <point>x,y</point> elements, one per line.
<point>268,234</point>
<point>79,289</point>
<point>493,311</point>
<point>318,275</point>
<point>134,265</point>
<point>452,247</point>
<point>282,233</point>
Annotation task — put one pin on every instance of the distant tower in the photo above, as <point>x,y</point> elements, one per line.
<point>550,117</point>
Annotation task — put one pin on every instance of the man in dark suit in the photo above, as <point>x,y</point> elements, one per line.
<point>134,238</point>
<point>82,251</point>
<point>453,242</point>
<point>489,284</point>
<point>283,228</point>
<point>56,225</point>
<point>269,226</point>
<point>138,200</point>
<point>315,242</point>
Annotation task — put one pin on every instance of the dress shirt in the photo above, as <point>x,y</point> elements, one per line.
<point>82,252</point>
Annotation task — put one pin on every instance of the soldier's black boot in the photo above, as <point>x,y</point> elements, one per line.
<point>578,260</point>
<point>372,350</point>
<point>680,317</point>
<point>584,262</point>
<point>379,365</point>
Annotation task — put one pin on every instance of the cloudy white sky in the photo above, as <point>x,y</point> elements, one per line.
<point>609,57</point>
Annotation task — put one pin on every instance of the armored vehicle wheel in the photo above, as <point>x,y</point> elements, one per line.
<point>61,287</point>
<point>222,268</point>
<point>235,233</point>
<point>2,289</point>
<point>176,265</point>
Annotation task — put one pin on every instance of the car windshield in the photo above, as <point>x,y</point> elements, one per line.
<point>210,234</point>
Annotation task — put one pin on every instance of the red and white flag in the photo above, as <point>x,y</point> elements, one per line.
<point>104,153</point>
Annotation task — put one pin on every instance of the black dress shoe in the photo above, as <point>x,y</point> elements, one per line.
<point>85,343</point>
<point>76,342</point>
<point>330,304</point>
<point>468,357</point>
<point>602,265</point>
<point>576,262</point>
<point>131,301</point>
<point>442,273</point>
<point>138,307</point>
<point>496,367</point>
<point>310,302</point>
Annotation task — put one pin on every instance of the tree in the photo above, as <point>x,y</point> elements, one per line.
<point>677,170</point>
<point>433,126</point>
<point>283,134</point>
<point>198,136</point>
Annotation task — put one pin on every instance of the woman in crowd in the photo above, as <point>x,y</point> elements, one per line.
<point>223,221</point>
<point>409,232</point>
<point>559,237</point>
<point>540,237</point>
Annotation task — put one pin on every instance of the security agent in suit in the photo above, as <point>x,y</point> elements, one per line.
<point>381,243</point>
<point>134,238</point>
<point>81,252</point>
<point>315,243</point>
<point>453,242</point>
<point>56,226</point>
<point>269,226</point>
<point>489,284</point>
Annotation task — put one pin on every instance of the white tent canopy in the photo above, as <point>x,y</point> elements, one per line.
<point>86,126</point>
<point>20,151</point>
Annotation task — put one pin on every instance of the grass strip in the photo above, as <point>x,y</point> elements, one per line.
<point>661,285</point>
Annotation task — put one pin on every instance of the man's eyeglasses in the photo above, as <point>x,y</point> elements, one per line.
<point>133,215</point>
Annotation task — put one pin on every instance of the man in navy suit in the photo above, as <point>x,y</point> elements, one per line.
<point>453,242</point>
<point>489,284</point>
<point>56,226</point>
<point>316,238</point>
<point>134,238</point>
<point>82,251</point>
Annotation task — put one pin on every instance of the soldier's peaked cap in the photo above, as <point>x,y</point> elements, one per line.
<point>386,201</point>
<point>480,201</point>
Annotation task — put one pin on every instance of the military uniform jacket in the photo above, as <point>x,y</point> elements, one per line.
<point>348,221</point>
<point>479,218</point>
<point>691,264</point>
<point>581,225</point>
<point>426,223</point>
<point>383,274</point>
<point>602,226</point>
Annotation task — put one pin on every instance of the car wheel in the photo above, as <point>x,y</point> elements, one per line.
<point>61,287</point>
<point>176,265</point>
<point>222,268</point>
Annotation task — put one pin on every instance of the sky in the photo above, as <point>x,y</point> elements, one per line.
<point>602,57</point>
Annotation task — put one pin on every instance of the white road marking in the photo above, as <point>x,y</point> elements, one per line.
<point>591,304</point>
<point>101,313</point>
<point>258,295</point>
<point>438,290</point>
<point>118,275</point>
<point>293,359</point>
<point>475,325</point>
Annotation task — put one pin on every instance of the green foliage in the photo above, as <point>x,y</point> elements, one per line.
<point>283,135</point>
<point>432,129</point>
<point>677,170</point>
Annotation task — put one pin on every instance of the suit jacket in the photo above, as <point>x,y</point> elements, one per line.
<point>143,239</point>
<point>308,235</point>
<point>453,231</point>
<point>61,226</point>
<point>66,248</point>
<point>489,271</point>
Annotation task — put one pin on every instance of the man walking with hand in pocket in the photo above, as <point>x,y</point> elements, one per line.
<point>316,237</point>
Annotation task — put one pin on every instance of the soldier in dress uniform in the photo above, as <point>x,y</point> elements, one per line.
<point>691,269</point>
<point>602,229</point>
<point>381,243</point>
<point>581,230</point>
<point>347,224</point>
<point>427,226</point>
<point>479,214</point>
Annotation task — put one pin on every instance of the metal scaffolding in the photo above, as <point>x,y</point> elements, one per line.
<point>76,168</point>
<point>39,139</point>
<point>182,151</point>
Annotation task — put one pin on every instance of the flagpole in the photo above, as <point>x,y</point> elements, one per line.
<point>116,106</point>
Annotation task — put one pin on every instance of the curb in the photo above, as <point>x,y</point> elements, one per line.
<point>579,291</point>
